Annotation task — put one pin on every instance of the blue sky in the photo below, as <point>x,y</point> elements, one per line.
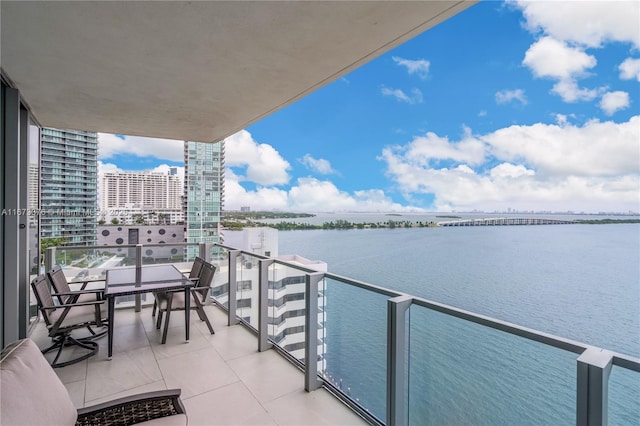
<point>528,106</point>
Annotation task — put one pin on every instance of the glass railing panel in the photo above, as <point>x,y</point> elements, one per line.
<point>247,278</point>
<point>92,263</point>
<point>355,328</point>
<point>180,255</point>
<point>465,373</point>
<point>624,397</point>
<point>286,309</point>
<point>219,256</point>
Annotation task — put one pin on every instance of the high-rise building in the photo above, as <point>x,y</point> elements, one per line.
<point>68,185</point>
<point>286,308</point>
<point>155,197</point>
<point>145,190</point>
<point>203,192</point>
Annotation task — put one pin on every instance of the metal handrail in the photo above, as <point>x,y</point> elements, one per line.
<point>507,327</point>
<point>593,365</point>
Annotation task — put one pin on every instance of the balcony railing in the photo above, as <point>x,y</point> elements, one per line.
<point>395,358</point>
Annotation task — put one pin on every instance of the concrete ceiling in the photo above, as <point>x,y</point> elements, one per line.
<point>192,70</point>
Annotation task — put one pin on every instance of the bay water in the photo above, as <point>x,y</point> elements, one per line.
<point>578,281</point>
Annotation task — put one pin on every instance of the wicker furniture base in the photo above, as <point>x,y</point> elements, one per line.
<point>133,409</point>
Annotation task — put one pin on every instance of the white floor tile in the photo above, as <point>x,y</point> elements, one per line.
<point>267,375</point>
<point>229,405</point>
<point>223,378</point>
<point>196,372</point>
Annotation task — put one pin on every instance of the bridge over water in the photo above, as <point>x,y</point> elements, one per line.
<point>504,221</point>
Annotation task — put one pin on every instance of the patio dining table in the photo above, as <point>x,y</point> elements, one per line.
<point>149,278</point>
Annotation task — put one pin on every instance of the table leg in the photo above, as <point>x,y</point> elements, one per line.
<point>187,311</point>
<point>112,309</point>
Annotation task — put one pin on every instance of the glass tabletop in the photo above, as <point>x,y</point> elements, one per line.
<point>131,280</point>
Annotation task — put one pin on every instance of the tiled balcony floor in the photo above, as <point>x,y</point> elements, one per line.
<point>224,379</point>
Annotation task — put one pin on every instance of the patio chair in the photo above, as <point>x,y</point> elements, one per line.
<point>194,275</point>
<point>32,394</point>
<point>65,294</point>
<point>63,319</point>
<point>174,300</point>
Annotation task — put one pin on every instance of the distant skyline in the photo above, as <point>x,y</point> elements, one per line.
<point>507,105</point>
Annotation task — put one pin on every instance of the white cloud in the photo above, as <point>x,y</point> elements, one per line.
<point>506,96</point>
<point>107,168</point>
<point>308,195</point>
<point>596,149</point>
<point>319,165</point>
<point>553,58</point>
<point>261,162</point>
<point>419,66</point>
<point>165,168</point>
<point>262,198</point>
<point>569,91</point>
<point>508,170</point>
<point>311,194</point>
<point>563,119</point>
<point>415,98</point>
<point>630,69</point>
<point>589,23</point>
<point>432,149</point>
<point>110,145</point>
<point>593,167</point>
<point>614,101</point>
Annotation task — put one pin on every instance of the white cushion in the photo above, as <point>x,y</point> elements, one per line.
<point>77,315</point>
<point>31,393</point>
<point>176,303</point>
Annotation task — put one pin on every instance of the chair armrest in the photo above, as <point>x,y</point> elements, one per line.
<point>133,409</point>
<point>87,281</point>
<point>73,292</point>
<point>71,305</point>
<point>201,290</point>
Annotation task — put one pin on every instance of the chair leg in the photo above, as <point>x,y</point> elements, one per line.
<point>203,315</point>
<point>60,342</point>
<point>166,320</point>
<point>206,319</point>
<point>159,320</point>
<point>199,314</point>
<point>97,335</point>
<point>155,305</point>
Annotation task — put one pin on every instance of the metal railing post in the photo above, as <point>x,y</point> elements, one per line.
<point>263,304</point>
<point>594,368</point>
<point>138,275</point>
<point>232,318</point>
<point>311,381</point>
<point>49,259</point>
<point>202,251</point>
<point>397,308</point>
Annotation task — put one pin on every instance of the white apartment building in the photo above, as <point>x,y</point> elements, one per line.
<point>151,196</point>
<point>286,292</point>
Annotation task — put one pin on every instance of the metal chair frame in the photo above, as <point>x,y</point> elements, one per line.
<point>199,295</point>
<point>61,333</point>
<point>64,293</point>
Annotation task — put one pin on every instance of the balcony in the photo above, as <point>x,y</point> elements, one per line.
<point>387,357</point>
<point>224,379</point>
